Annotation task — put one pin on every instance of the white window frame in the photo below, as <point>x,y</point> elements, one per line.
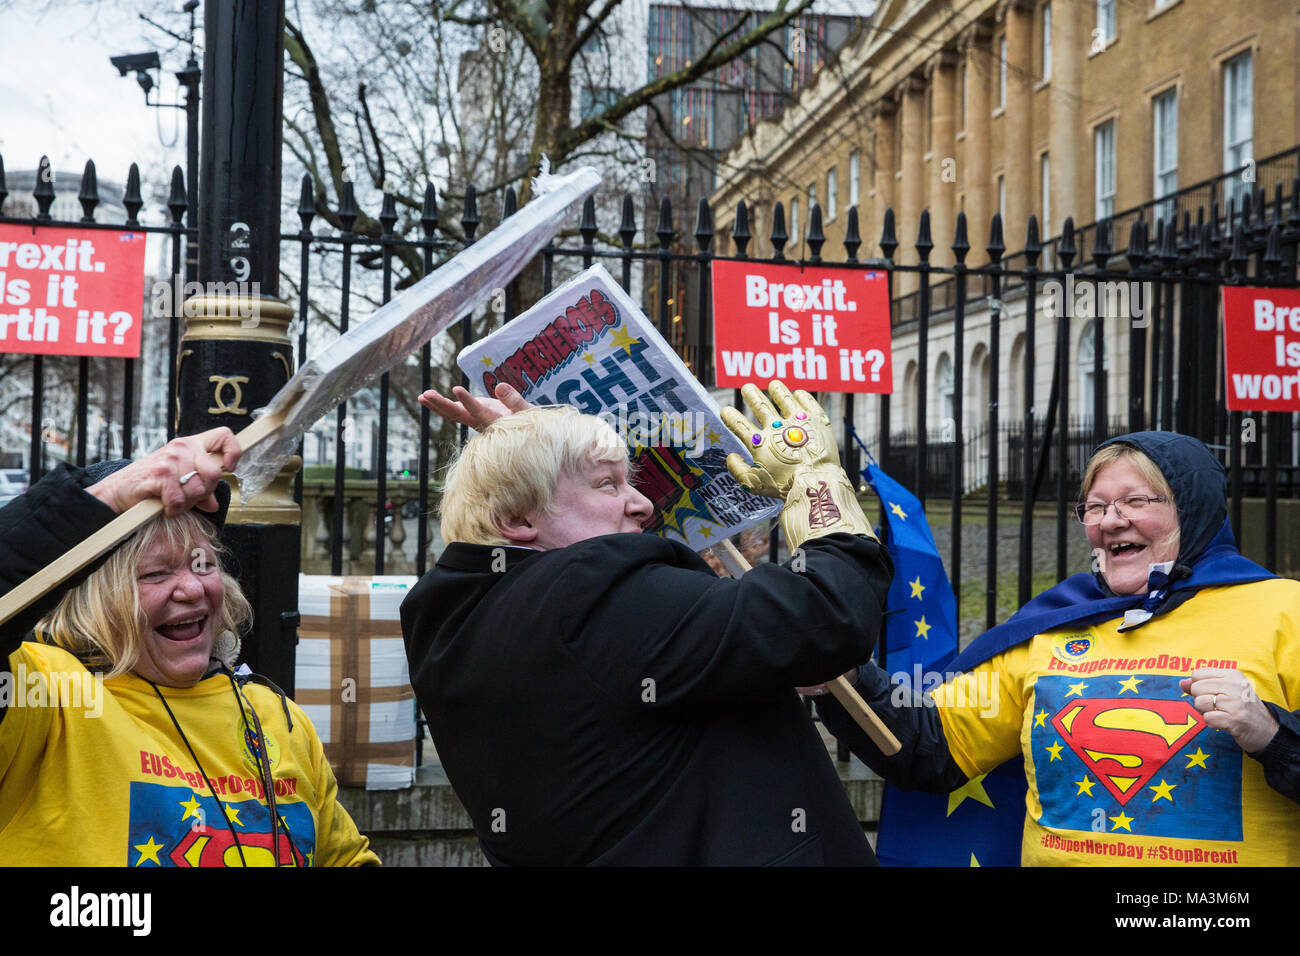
<point>1106,21</point>
<point>1002,72</point>
<point>794,220</point>
<point>854,182</point>
<point>1103,136</point>
<point>965,77</point>
<point>832,187</point>
<point>1047,42</point>
<point>1164,149</point>
<point>1045,175</point>
<point>1238,120</point>
<point>944,376</point>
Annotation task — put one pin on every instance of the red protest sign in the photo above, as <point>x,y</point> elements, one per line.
<point>1261,349</point>
<point>819,329</point>
<point>71,291</point>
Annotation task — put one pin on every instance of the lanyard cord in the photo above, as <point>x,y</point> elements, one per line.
<point>264,769</point>
<point>211,789</point>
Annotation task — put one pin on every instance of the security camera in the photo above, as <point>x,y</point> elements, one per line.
<point>190,6</point>
<point>138,62</point>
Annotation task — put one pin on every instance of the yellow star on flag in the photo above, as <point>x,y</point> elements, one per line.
<point>1197,759</point>
<point>712,436</point>
<point>972,789</point>
<point>1076,689</point>
<point>1040,719</point>
<point>923,629</point>
<point>1162,790</point>
<point>233,813</point>
<point>1055,751</point>
<point>898,511</point>
<point>191,807</point>
<point>916,586</point>
<point>706,530</point>
<point>149,851</point>
<point>1130,684</point>
<point>1122,821</point>
<point>589,357</point>
<point>622,339</point>
<point>487,361</point>
<point>1085,785</point>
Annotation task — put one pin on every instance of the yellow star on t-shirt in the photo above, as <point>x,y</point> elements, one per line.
<point>191,807</point>
<point>233,813</point>
<point>1040,719</point>
<point>916,586</point>
<point>1122,821</point>
<point>972,789</point>
<point>923,629</point>
<point>487,361</point>
<point>1085,785</point>
<point>1055,751</point>
<point>1130,684</point>
<point>1076,689</point>
<point>1162,790</point>
<point>1197,759</point>
<point>898,511</point>
<point>149,851</point>
<point>622,339</point>
<point>589,357</point>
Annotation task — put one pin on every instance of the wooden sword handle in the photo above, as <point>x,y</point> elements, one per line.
<point>109,536</point>
<point>840,688</point>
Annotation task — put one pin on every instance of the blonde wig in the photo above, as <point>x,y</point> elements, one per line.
<point>101,621</point>
<point>512,467</point>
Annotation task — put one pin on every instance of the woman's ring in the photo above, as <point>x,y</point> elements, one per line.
<point>188,475</point>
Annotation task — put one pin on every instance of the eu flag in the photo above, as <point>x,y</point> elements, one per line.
<point>921,628</point>
<point>980,823</point>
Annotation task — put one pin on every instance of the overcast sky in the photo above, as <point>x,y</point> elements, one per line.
<point>60,96</point>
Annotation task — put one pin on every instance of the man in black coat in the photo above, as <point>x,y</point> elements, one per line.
<point>600,696</point>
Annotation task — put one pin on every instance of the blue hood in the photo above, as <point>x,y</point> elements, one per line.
<point>1207,556</point>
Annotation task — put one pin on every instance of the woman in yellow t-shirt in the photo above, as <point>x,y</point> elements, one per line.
<point>125,738</point>
<point>1152,703</point>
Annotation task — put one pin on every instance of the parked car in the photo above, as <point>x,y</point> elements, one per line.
<point>13,482</point>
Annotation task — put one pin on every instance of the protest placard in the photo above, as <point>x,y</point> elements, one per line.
<point>818,329</point>
<point>71,291</point>
<point>1261,349</point>
<point>587,344</point>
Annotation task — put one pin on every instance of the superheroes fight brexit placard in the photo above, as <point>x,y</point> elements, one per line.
<point>814,328</point>
<point>587,344</point>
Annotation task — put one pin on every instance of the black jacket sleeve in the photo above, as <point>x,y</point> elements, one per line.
<point>924,762</point>
<point>663,630</point>
<point>1281,758</point>
<point>55,514</point>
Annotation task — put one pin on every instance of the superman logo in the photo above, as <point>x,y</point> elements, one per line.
<point>210,846</point>
<point>1125,741</point>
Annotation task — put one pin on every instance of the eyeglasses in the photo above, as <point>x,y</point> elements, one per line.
<point>1092,512</point>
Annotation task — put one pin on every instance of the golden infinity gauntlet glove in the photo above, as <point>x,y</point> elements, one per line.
<point>795,458</point>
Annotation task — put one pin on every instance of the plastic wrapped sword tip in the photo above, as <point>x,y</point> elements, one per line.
<point>412,318</point>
